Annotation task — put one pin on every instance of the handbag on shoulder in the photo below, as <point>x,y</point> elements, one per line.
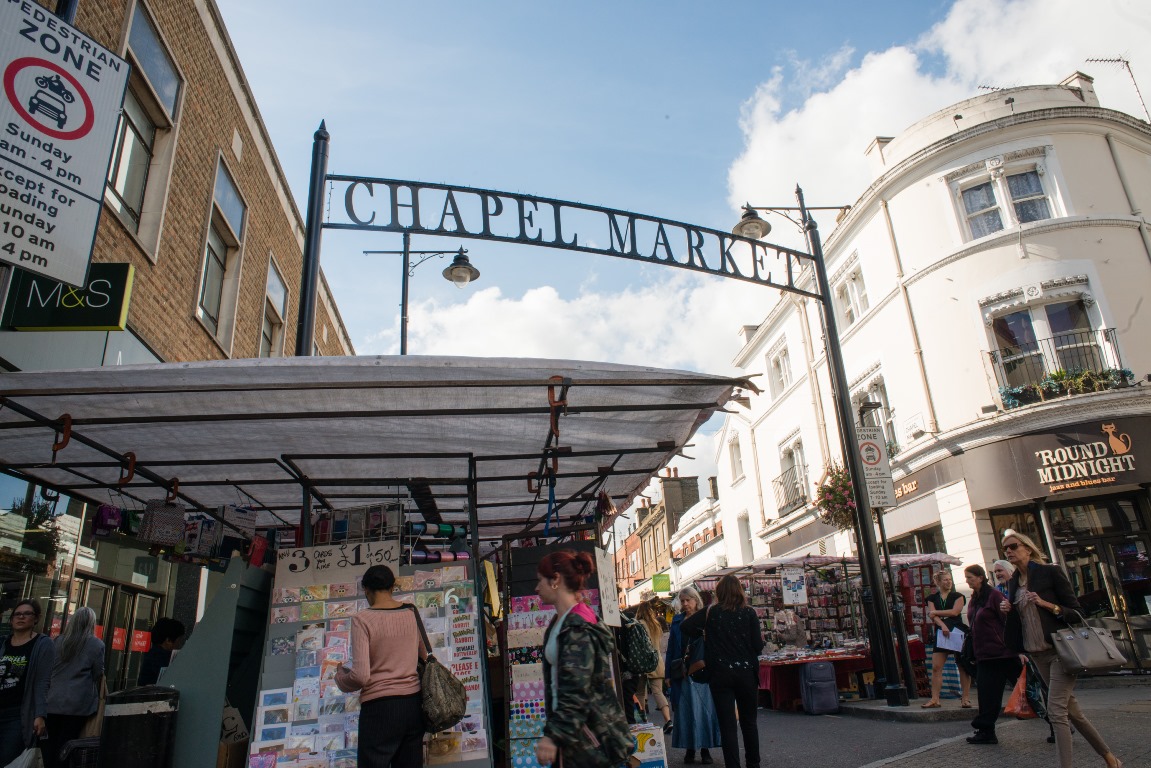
<point>1086,649</point>
<point>693,659</point>
<point>444,699</point>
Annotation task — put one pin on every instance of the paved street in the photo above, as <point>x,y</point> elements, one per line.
<point>1122,715</point>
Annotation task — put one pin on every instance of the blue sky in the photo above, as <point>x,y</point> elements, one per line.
<point>676,109</point>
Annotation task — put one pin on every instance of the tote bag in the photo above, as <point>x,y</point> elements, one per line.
<point>444,698</point>
<point>1086,649</point>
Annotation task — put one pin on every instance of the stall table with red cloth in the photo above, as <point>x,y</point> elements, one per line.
<point>780,679</point>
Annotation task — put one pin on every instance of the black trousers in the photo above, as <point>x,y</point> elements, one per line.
<point>732,690</point>
<point>991,676</point>
<point>391,733</point>
<point>61,730</point>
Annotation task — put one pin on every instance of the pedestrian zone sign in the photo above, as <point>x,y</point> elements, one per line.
<point>876,467</point>
<point>62,97</point>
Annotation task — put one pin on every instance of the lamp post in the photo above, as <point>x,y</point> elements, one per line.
<point>751,225</point>
<point>460,272</point>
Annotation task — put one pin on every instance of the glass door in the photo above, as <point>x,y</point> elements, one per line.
<point>1129,555</point>
<point>144,615</point>
<point>1087,569</point>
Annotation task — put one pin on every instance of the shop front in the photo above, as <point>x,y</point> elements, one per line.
<point>1080,491</point>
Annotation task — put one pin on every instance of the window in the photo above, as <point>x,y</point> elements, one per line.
<point>736,457</point>
<point>779,371</point>
<point>1033,342</point>
<point>275,308</point>
<point>145,138</point>
<point>791,485</point>
<point>218,285</point>
<point>882,416</point>
<point>851,297</point>
<point>1022,190</point>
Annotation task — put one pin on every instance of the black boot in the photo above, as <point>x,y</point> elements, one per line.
<point>705,757</point>
<point>983,737</point>
<point>690,756</point>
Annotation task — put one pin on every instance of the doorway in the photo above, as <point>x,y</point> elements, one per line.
<point>124,616</point>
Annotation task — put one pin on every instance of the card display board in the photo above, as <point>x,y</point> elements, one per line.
<point>301,714</point>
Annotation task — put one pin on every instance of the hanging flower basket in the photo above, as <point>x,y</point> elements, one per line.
<point>835,499</point>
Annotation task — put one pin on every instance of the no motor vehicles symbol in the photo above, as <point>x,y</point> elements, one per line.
<point>37,90</point>
<point>870,453</point>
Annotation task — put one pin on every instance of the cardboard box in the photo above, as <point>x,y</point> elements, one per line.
<point>232,755</point>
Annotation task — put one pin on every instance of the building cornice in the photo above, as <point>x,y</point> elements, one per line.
<point>860,211</point>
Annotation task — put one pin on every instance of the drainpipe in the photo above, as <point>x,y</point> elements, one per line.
<point>932,423</point>
<point>1045,521</point>
<point>813,381</point>
<point>1135,211</point>
<point>758,478</point>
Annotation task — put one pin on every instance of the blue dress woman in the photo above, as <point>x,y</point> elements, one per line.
<point>696,724</point>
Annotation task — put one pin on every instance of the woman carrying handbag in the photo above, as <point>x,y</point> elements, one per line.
<point>1040,601</point>
<point>74,692</point>
<point>386,650</point>
<point>26,659</point>
<point>696,723</point>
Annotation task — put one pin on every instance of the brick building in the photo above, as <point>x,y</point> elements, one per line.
<point>197,204</point>
<point>655,526</point>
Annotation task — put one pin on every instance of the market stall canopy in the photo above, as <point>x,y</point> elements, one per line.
<point>357,430</point>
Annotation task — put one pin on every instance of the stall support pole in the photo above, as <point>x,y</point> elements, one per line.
<point>898,608</point>
<point>481,629</point>
<point>306,518</point>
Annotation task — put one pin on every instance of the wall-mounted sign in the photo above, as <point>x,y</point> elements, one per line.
<point>1073,465</point>
<point>58,116</point>
<point>38,303</point>
<point>661,582</point>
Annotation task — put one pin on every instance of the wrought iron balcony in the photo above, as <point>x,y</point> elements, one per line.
<point>790,490</point>
<point>1069,363</point>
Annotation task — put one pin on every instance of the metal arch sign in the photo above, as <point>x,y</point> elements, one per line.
<point>62,94</point>
<point>393,205</point>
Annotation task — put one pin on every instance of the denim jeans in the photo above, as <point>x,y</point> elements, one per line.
<point>11,735</point>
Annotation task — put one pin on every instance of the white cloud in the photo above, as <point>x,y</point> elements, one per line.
<point>677,321</point>
<point>1000,43</point>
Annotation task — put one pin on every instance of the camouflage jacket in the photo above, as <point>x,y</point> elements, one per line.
<point>587,723</point>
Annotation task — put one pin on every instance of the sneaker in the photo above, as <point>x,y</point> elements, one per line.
<point>705,757</point>
<point>982,737</point>
<point>667,727</point>
<point>690,756</point>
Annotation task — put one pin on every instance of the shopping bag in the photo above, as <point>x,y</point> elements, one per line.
<point>1036,689</point>
<point>29,758</point>
<point>1017,705</point>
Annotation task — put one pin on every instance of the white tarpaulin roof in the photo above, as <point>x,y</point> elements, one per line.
<point>357,430</point>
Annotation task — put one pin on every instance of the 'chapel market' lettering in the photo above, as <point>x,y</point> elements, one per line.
<point>390,205</point>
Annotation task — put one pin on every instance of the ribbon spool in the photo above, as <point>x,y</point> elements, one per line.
<point>439,530</point>
<point>423,556</point>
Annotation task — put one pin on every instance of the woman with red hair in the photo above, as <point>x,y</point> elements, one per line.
<point>584,718</point>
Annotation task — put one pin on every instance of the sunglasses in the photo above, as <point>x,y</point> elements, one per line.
<point>23,615</point>
<point>1011,547</point>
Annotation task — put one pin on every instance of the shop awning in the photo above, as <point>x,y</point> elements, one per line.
<point>358,430</point>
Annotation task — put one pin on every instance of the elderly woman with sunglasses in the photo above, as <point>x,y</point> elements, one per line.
<point>1039,601</point>
<point>26,660</point>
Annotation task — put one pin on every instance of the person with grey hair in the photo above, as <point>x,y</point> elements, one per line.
<point>74,690</point>
<point>1002,571</point>
<point>696,723</point>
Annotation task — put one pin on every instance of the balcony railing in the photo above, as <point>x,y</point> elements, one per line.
<point>790,490</point>
<point>1069,363</point>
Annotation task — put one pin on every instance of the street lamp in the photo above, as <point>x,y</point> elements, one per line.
<point>460,272</point>
<point>752,225</point>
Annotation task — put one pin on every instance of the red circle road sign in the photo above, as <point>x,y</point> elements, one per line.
<point>870,453</point>
<point>16,67</point>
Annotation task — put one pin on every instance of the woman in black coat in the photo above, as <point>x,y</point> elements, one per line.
<point>1040,601</point>
<point>731,650</point>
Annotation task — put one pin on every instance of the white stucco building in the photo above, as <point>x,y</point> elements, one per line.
<point>990,285</point>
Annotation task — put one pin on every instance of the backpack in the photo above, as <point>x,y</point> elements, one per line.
<point>639,656</point>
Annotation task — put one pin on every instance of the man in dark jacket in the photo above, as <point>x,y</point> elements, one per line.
<point>165,634</point>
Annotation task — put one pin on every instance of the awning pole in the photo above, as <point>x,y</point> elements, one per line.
<point>306,517</point>
<point>481,629</point>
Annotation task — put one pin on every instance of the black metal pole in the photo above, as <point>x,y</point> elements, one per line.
<point>898,608</point>
<point>306,518</point>
<point>310,279</point>
<point>479,584</point>
<point>868,551</point>
<point>404,295</point>
<point>66,10</point>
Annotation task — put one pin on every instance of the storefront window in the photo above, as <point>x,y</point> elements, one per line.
<point>1022,520</point>
<point>1094,518</point>
<point>928,540</point>
<point>1085,568</point>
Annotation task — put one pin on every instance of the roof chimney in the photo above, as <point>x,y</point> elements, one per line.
<point>1084,87</point>
<point>675,471</point>
<point>713,487</point>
